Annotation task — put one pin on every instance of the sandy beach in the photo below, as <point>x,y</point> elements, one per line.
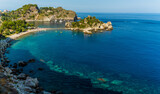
<point>15,36</point>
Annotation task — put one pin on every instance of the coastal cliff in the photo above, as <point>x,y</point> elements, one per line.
<point>12,78</point>
<point>88,25</point>
<point>32,12</point>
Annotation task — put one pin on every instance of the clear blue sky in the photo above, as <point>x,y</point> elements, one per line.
<point>103,6</point>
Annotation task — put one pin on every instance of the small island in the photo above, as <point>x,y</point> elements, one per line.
<point>89,24</point>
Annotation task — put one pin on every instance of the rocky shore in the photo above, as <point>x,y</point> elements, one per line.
<point>12,79</point>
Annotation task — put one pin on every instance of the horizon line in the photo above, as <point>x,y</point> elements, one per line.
<point>107,12</point>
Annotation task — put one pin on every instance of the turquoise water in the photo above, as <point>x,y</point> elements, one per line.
<point>126,59</point>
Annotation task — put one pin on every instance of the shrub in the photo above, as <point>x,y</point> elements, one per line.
<point>17,26</point>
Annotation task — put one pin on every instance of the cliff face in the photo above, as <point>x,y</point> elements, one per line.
<point>31,12</point>
<point>56,13</point>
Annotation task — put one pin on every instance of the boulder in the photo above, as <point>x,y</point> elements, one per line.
<point>28,89</point>
<point>7,71</point>
<point>22,76</point>
<point>15,65</point>
<point>40,69</point>
<point>22,64</point>
<point>16,71</point>
<point>31,71</point>
<point>87,31</point>
<point>68,25</point>
<point>7,61</point>
<point>109,28</point>
<point>109,23</point>
<point>44,92</point>
<point>31,60</point>
<point>31,82</point>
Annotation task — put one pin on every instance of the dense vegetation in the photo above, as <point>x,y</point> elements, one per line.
<point>11,27</point>
<point>32,12</point>
<point>87,22</point>
<point>15,14</point>
<point>57,12</point>
<point>25,8</point>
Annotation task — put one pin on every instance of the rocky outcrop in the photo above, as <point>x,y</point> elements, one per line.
<point>68,24</point>
<point>88,25</point>
<point>22,76</point>
<point>12,81</point>
<point>31,82</point>
<point>108,26</point>
<point>12,84</point>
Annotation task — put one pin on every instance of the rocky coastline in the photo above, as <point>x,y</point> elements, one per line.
<point>54,20</point>
<point>13,80</point>
<point>88,25</point>
<point>32,12</point>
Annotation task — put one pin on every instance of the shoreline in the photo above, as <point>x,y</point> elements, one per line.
<point>13,80</point>
<point>19,86</point>
<point>69,19</point>
<point>15,36</point>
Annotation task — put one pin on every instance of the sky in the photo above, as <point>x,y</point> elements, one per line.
<point>93,6</point>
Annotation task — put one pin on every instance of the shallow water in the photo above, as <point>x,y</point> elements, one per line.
<point>127,58</point>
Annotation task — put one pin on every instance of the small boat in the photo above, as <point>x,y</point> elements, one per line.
<point>55,21</point>
<point>60,21</point>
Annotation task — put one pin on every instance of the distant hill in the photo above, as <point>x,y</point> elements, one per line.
<point>32,12</point>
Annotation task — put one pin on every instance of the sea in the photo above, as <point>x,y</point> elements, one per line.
<point>125,60</point>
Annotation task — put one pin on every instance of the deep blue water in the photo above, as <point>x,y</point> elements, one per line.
<point>127,57</point>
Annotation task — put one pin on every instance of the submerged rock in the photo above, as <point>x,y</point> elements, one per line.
<point>31,71</point>
<point>105,85</point>
<point>15,65</point>
<point>40,69</point>
<point>22,64</point>
<point>16,71</point>
<point>31,60</point>
<point>116,82</point>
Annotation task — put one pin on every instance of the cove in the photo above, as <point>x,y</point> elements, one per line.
<point>127,58</point>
